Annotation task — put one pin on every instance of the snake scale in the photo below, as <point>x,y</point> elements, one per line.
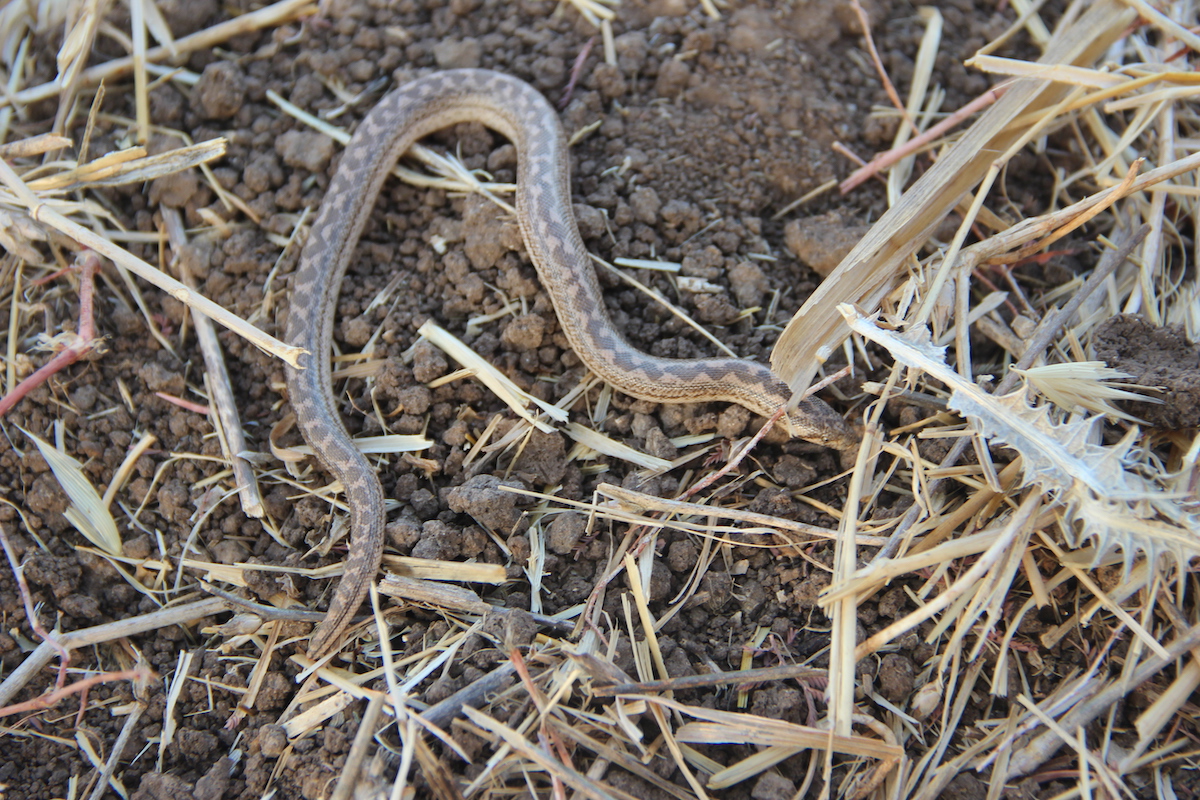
<point>517,111</point>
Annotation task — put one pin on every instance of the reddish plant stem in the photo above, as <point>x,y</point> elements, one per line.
<point>576,69</point>
<point>63,654</point>
<point>81,345</point>
<point>47,700</point>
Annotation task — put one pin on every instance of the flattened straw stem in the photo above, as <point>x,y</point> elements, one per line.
<point>358,751</point>
<point>141,99</point>
<point>230,422</point>
<point>473,695</point>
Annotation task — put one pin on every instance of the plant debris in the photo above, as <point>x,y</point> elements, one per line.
<point>587,594</point>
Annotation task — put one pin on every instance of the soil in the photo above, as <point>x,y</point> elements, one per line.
<point>1157,356</point>
<point>706,128</point>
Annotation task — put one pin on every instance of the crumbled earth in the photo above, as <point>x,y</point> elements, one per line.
<point>706,129</point>
<point>1156,356</point>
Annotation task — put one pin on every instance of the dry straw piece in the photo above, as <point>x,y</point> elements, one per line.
<point>1088,486</point>
<point>870,271</point>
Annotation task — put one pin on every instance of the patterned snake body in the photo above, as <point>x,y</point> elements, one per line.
<point>518,112</point>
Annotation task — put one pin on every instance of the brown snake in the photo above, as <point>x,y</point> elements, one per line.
<point>517,111</point>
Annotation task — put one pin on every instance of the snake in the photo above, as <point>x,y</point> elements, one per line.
<point>520,113</point>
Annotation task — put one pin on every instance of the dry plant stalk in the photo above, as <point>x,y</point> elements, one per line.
<point>870,271</point>
<point>1088,486</point>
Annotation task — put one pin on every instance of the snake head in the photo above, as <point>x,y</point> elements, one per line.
<point>813,421</point>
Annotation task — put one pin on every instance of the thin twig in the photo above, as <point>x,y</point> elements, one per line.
<point>35,661</point>
<point>348,780</point>
<point>141,702</point>
<point>64,655</point>
<point>80,344</point>
<point>473,695</point>
<point>576,70</point>
<point>228,422</point>
<point>42,702</point>
<point>743,677</point>
<point>888,86</point>
<point>886,159</point>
